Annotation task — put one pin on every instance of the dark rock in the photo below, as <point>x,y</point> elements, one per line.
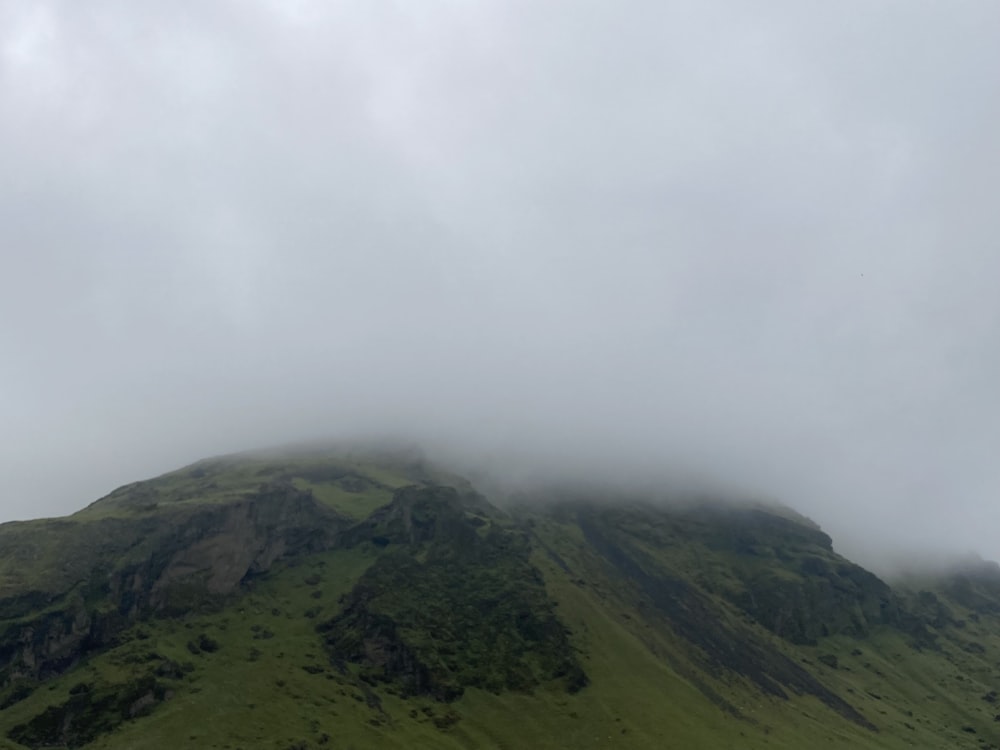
<point>829,659</point>
<point>452,608</point>
<point>89,713</point>
<point>190,558</point>
<point>692,615</point>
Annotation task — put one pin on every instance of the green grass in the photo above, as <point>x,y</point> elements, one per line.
<point>351,504</point>
<point>230,478</point>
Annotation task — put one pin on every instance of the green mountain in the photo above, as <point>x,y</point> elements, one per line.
<point>364,598</point>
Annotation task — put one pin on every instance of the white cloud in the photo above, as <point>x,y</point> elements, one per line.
<point>755,241</point>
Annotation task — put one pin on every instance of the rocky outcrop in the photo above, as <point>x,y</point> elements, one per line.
<point>418,514</point>
<point>453,604</point>
<point>209,554</point>
<point>90,713</point>
<point>194,557</point>
<point>815,598</point>
<point>697,619</point>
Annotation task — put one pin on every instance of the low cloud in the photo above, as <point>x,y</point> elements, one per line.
<point>751,245</point>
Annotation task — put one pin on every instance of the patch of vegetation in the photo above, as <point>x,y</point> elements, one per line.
<point>450,608</point>
<point>89,712</point>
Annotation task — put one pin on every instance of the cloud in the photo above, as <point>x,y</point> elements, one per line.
<point>754,243</point>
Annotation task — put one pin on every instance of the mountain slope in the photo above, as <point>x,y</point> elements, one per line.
<point>366,599</point>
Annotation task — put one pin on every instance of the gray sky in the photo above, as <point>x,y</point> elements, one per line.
<point>753,241</point>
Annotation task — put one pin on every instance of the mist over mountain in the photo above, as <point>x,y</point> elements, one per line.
<point>751,249</point>
<point>363,595</point>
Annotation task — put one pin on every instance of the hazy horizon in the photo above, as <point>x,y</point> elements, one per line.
<point>754,246</point>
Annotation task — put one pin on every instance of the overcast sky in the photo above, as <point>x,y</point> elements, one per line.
<point>753,241</point>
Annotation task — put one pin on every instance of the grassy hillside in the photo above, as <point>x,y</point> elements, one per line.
<point>365,599</point>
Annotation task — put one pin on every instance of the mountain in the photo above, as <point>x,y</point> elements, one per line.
<point>361,597</point>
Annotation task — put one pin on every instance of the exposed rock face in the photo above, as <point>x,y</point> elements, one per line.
<point>90,713</point>
<point>819,599</point>
<point>209,554</point>
<point>416,515</point>
<point>192,557</point>
<point>781,571</point>
<point>454,604</point>
<point>693,616</point>
<point>792,581</point>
